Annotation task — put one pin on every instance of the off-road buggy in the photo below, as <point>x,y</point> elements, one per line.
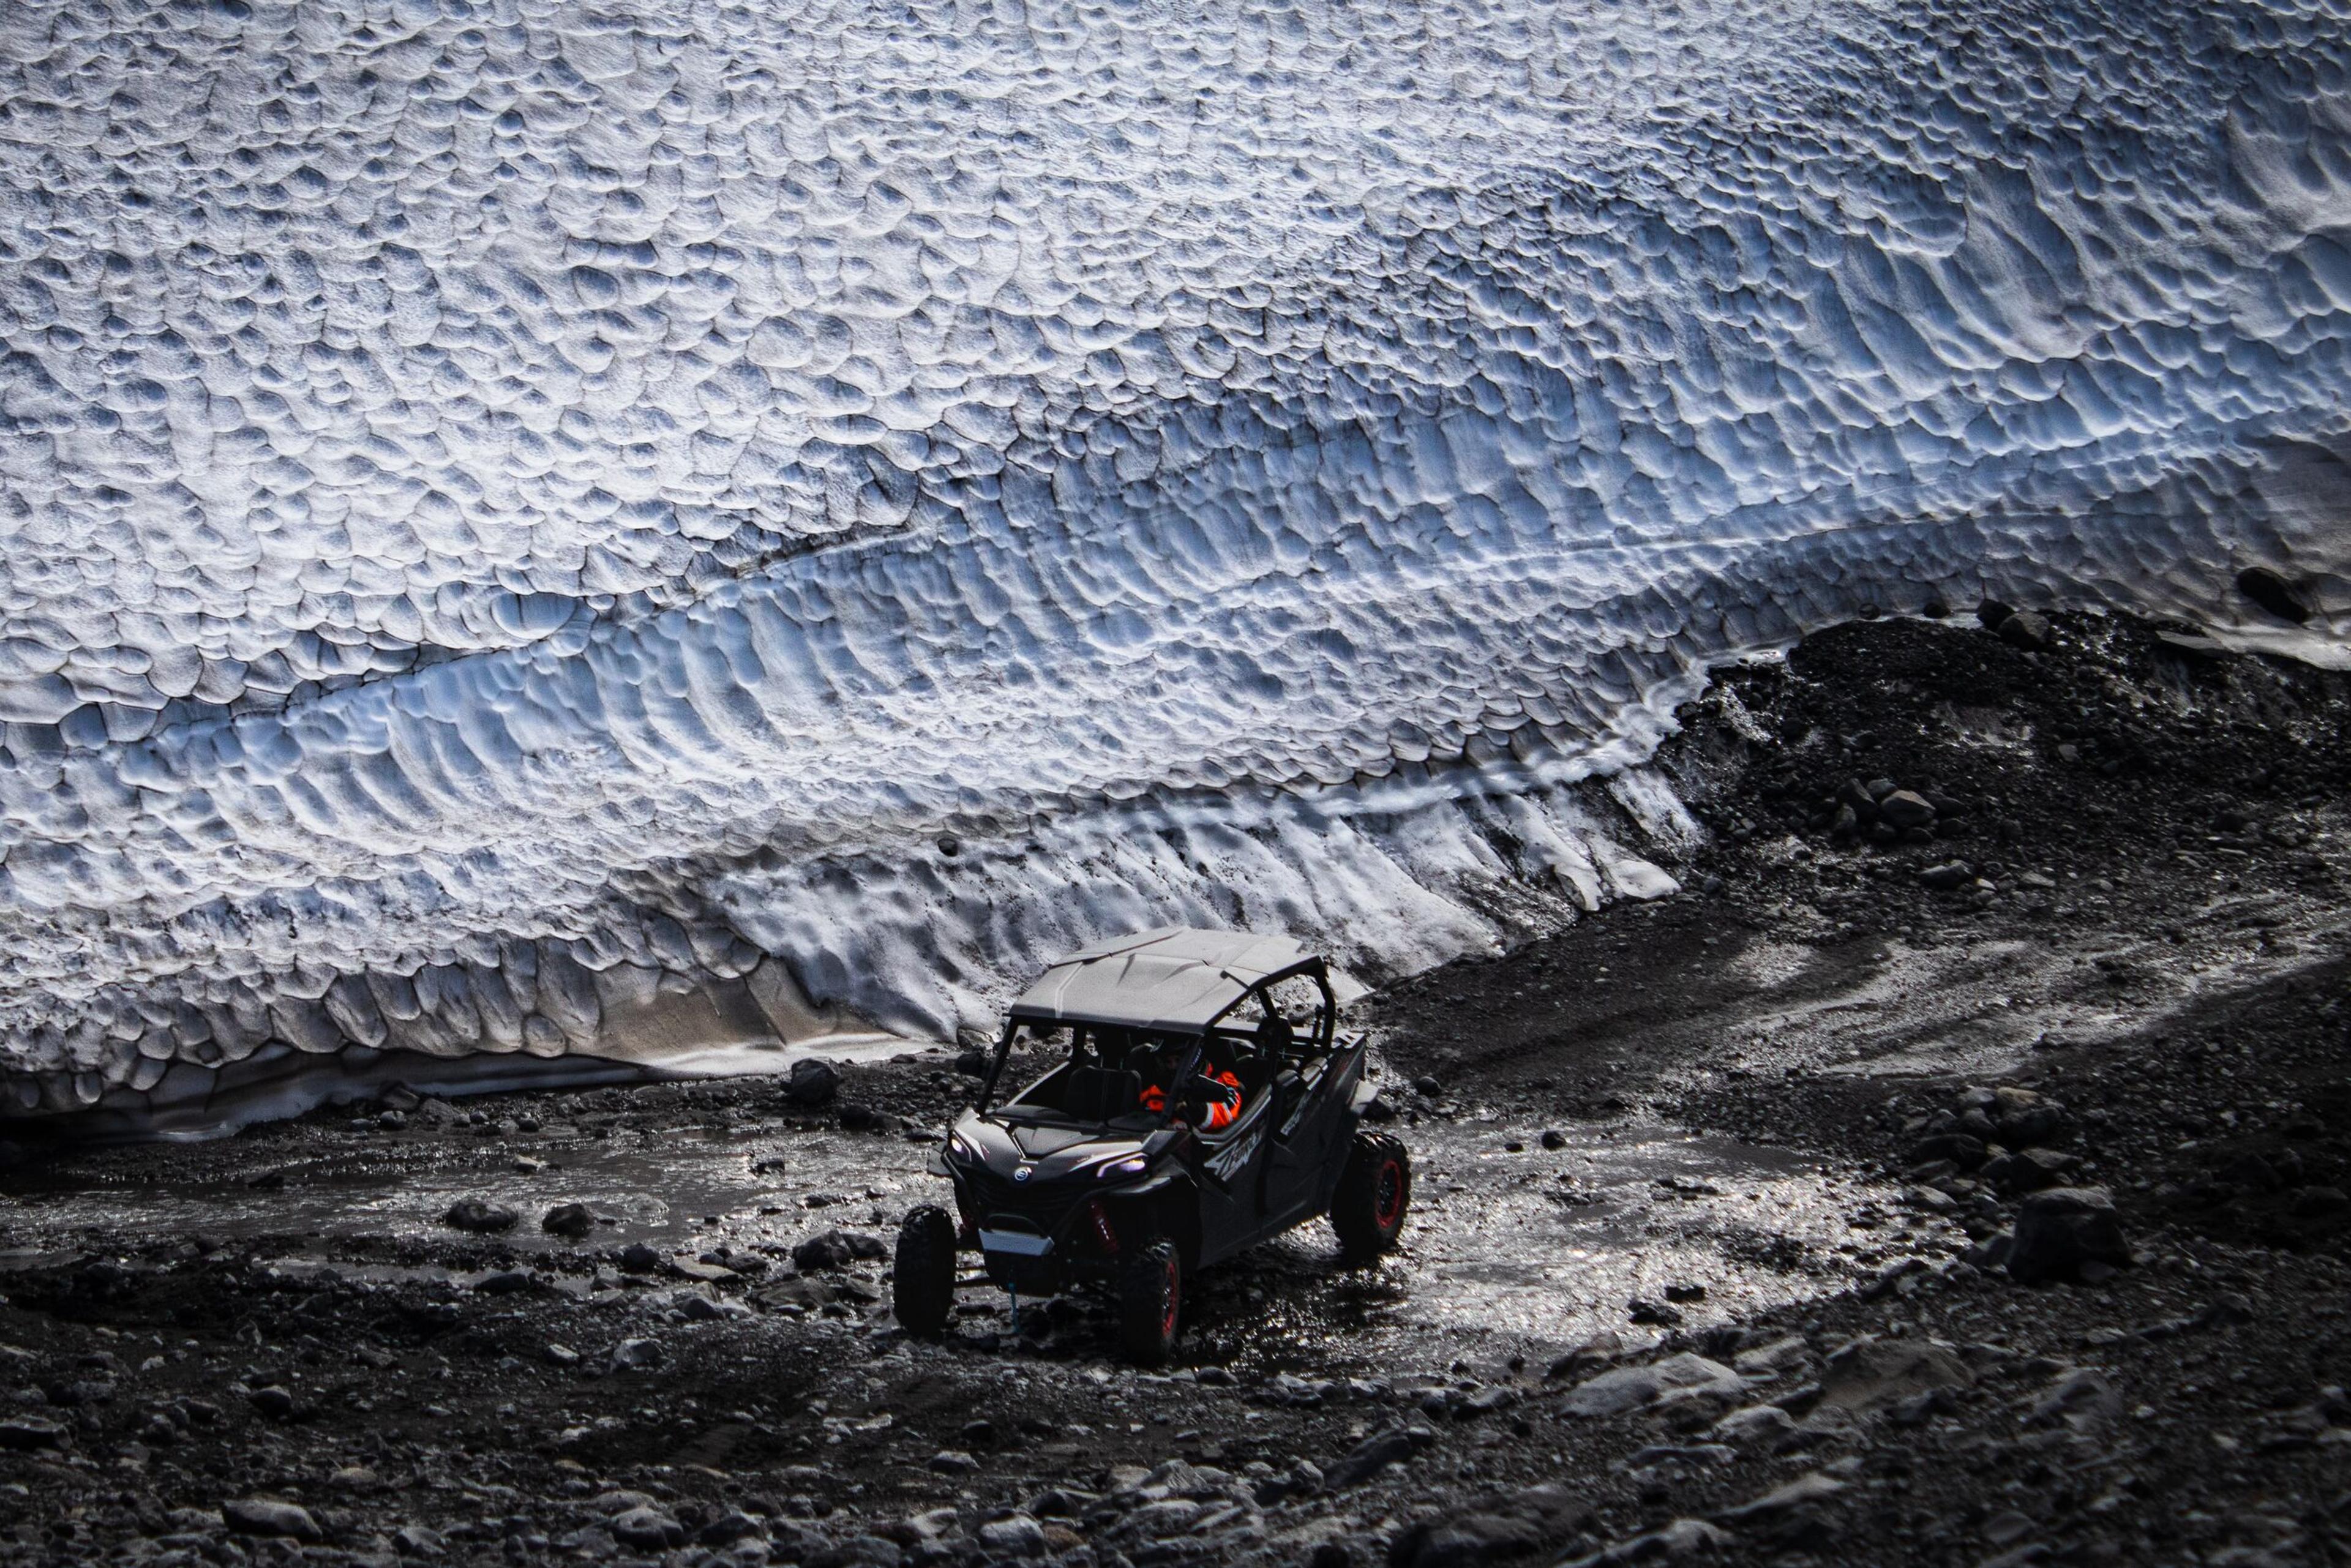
<point>1105,1169</point>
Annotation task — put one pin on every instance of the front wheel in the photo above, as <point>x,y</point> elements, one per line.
<point>923,1283</point>
<point>1150,1299</point>
<point>1374,1191</point>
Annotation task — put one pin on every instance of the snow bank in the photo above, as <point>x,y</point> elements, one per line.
<point>518,516</point>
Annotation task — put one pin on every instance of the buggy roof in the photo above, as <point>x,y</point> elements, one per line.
<point>1171,978</point>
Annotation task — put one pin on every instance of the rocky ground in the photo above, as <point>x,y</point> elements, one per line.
<point>2011,989</point>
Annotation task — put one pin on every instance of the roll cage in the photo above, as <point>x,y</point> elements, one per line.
<point>1268,1042</point>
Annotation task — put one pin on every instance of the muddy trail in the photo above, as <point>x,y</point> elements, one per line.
<point>1954,1172</point>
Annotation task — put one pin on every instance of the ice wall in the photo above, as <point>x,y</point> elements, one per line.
<point>534,528</point>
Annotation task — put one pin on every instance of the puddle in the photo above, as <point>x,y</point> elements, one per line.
<point>1508,1252</point>
<point>1502,1250</point>
<point>664,1191</point>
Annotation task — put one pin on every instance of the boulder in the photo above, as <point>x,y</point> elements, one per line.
<point>23,1434</point>
<point>1763,1423</point>
<point>862,1552</point>
<point>1797,1517</point>
<point>2318,1202</point>
<point>1681,1541</point>
<point>1672,1380</point>
<point>1596,1352</point>
<point>1906,809</point>
<point>813,1082</point>
<point>636,1355</point>
<point>479,1214</point>
<point>2026,1170</point>
<point>2082,1399</point>
<point>1492,1530</point>
<point>727,1527</point>
<point>1871,1373</point>
<point>267,1516</point>
<point>273,1401</point>
<point>2025,630</point>
<point>1019,1535</point>
<point>647,1528</point>
<point>2026,1118</point>
<point>573,1220</point>
<point>1963,1149</point>
<point>1369,1458</point>
<point>506,1282</point>
<point>2060,1230</point>
<point>1775,1355</point>
<point>837,1250</point>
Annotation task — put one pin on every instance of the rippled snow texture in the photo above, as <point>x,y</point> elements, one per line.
<point>513,509</point>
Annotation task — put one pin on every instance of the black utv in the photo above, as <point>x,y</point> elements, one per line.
<point>1197,1103</point>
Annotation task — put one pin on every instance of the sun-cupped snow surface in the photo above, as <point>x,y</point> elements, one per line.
<point>519,522</point>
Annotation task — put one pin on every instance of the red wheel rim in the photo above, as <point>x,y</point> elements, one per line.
<point>1168,1319</point>
<point>1388,1204</point>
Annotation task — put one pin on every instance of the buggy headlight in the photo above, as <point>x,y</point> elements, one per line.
<point>960,1146</point>
<point>1133,1165</point>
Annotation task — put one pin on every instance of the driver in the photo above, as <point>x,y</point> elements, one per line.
<point>1221,1090</point>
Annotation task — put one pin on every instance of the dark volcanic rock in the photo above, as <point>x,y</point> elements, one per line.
<point>416,1541</point>
<point>1493,1530</point>
<point>837,1250</point>
<point>2025,630</point>
<point>1873,1372</point>
<point>267,1516</point>
<point>636,1355</point>
<point>2025,1118</point>
<point>479,1214</point>
<point>2026,1170</point>
<point>813,1082</point>
<point>1798,1516</point>
<point>647,1529</point>
<point>1369,1458</point>
<point>1963,1149</point>
<point>1906,809</point>
<point>726,1528</point>
<point>571,1219</point>
<point>23,1434</point>
<point>2059,1230</point>
<point>273,1402</point>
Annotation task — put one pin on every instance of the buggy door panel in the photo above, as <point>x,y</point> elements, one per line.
<point>1311,1157</point>
<point>1295,1162</point>
<point>1302,1135</point>
<point>1231,1215</point>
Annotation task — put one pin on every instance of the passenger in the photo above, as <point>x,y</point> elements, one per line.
<point>1222,1090</point>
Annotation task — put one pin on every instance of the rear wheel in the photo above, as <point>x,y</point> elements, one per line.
<point>1375,1192</point>
<point>923,1283</point>
<point>1150,1300</point>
